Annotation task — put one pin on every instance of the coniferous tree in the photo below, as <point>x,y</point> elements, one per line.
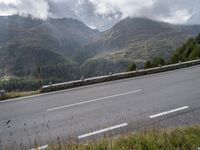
<point>132,67</point>
<point>147,65</point>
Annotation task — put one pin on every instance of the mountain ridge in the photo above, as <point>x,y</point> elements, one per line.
<point>35,43</point>
<point>69,42</point>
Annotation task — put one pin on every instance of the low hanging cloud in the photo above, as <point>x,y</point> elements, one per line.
<point>173,11</point>
<point>105,13</point>
<point>88,12</point>
<point>34,8</point>
<point>102,14</point>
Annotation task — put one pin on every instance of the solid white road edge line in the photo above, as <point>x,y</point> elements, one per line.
<point>102,130</point>
<point>94,100</point>
<point>168,112</point>
<point>40,148</point>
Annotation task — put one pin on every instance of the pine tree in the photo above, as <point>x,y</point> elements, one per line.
<point>132,67</point>
<point>147,65</point>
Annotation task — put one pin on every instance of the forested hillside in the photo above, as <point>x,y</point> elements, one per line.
<point>138,40</point>
<point>65,49</point>
<point>53,45</point>
<point>189,51</point>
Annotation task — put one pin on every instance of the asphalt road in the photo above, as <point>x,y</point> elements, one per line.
<point>161,100</point>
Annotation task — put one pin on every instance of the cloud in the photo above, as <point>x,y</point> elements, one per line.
<point>173,11</point>
<point>85,11</point>
<point>34,8</point>
<point>195,19</point>
<point>103,14</point>
<point>88,12</point>
<point>62,8</point>
<point>126,7</point>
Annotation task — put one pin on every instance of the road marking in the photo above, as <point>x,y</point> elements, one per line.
<point>94,100</point>
<point>102,130</point>
<point>40,148</point>
<point>168,112</point>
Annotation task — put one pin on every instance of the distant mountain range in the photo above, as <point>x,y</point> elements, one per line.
<point>66,48</point>
<point>26,43</point>
<point>136,39</point>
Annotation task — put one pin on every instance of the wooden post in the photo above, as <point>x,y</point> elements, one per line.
<point>39,76</point>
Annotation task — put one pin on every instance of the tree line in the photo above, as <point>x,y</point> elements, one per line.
<point>190,50</point>
<point>62,73</point>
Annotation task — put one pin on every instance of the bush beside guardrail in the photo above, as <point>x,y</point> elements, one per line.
<point>95,80</point>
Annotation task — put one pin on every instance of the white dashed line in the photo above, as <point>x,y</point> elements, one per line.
<point>102,130</point>
<point>168,112</point>
<point>94,100</point>
<point>40,148</point>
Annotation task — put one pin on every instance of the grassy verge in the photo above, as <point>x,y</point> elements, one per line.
<point>11,95</point>
<point>163,139</point>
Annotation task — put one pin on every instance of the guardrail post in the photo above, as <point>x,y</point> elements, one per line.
<point>1,147</point>
<point>110,74</point>
<point>82,78</point>
<point>39,77</point>
<point>50,83</point>
<point>2,93</point>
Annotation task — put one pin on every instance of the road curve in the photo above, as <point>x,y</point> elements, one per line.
<point>164,99</point>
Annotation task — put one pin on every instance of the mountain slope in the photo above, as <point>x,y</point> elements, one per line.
<point>190,50</point>
<point>138,39</point>
<point>66,48</point>
<point>12,26</point>
<point>27,43</point>
<point>138,35</point>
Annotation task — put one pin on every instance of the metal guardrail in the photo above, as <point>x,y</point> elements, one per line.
<point>118,76</point>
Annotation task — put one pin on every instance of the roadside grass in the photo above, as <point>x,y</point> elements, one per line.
<point>11,95</point>
<point>180,138</point>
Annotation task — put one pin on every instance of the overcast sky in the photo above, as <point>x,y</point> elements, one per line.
<point>102,14</point>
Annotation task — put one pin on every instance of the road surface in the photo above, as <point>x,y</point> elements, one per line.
<point>160,100</point>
